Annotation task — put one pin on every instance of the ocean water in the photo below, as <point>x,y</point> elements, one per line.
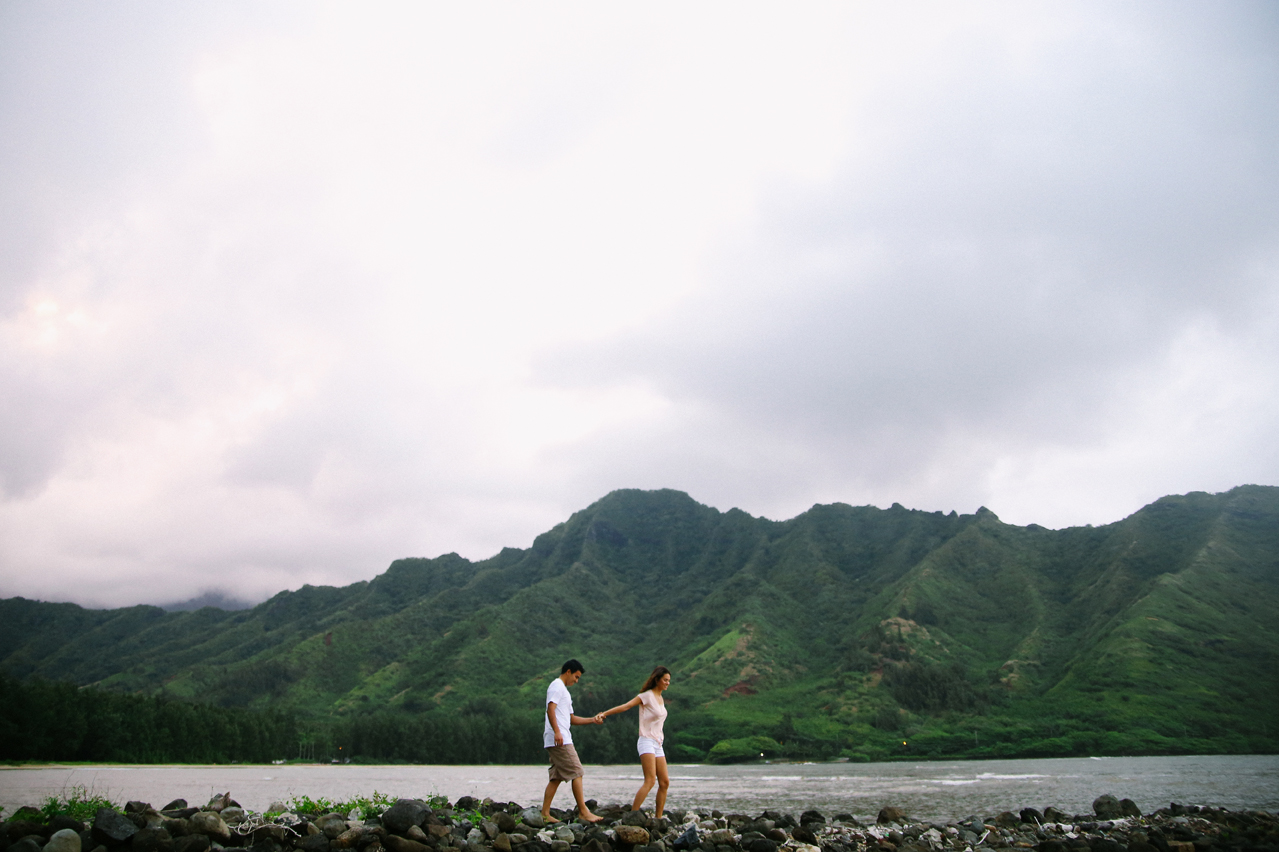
<point>938,791</point>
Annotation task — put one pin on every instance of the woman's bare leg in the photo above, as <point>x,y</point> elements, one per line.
<point>649,764</point>
<point>663,781</point>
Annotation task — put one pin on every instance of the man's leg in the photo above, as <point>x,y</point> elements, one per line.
<point>551,787</point>
<point>583,812</point>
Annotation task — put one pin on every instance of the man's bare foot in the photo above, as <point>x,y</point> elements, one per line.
<point>548,818</point>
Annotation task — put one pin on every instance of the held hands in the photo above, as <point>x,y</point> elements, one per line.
<point>599,718</point>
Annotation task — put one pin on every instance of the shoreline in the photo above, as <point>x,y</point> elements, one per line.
<point>473,825</point>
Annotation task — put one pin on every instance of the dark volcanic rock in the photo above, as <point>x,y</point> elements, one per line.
<point>1107,807</point>
<point>152,840</point>
<point>1053,815</point>
<point>1031,816</point>
<point>1129,808</point>
<point>20,828</point>
<point>111,828</point>
<point>889,814</point>
<point>403,814</point>
<point>62,821</point>
<point>192,843</point>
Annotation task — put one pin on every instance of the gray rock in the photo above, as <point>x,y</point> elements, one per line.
<point>403,844</point>
<point>192,843</point>
<point>533,817</point>
<point>760,844</point>
<point>217,803</point>
<point>136,807</point>
<point>403,814</point>
<point>211,825</point>
<point>505,822</point>
<point>64,840</point>
<point>152,840</point>
<point>111,828</point>
<point>312,843</point>
<point>631,835</point>
<point>233,815</point>
<point>415,832</point>
<point>560,846</point>
<point>1129,808</point>
<point>889,814</point>
<point>30,843</point>
<point>502,843</point>
<point>176,827</point>
<point>62,821</point>
<point>332,824</point>
<point>175,805</point>
<point>723,837</point>
<point>1107,807</point>
<point>635,818</point>
<point>1053,815</point>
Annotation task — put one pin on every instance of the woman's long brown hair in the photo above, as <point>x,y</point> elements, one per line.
<point>654,678</point>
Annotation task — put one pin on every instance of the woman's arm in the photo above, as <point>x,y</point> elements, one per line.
<point>622,708</point>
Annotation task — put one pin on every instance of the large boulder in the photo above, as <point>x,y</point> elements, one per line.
<point>403,814</point>
<point>396,843</point>
<point>63,840</point>
<point>62,821</point>
<point>332,824</point>
<point>632,835</point>
<point>16,829</point>
<point>889,814</point>
<point>152,840</point>
<point>210,824</point>
<point>314,843</point>
<point>111,828</point>
<point>192,843</point>
<point>1107,807</point>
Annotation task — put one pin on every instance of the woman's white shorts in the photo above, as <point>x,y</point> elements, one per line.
<point>648,745</point>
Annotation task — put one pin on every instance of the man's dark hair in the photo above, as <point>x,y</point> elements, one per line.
<point>572,666</point>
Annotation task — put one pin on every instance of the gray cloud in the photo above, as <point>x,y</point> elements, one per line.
<point>286,294</point>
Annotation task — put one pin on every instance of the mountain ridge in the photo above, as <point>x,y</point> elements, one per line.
<point>838,630</point>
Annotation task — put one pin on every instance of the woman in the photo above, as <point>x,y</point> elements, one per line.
<point>652,714</point>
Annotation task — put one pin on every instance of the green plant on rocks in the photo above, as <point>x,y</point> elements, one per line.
<point>77,803</point>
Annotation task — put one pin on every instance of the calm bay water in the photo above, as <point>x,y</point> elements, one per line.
<point>930,791</point>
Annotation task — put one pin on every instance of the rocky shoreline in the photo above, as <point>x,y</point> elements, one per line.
<point>471,825</point>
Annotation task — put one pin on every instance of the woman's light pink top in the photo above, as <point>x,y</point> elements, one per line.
<point>652,712</point>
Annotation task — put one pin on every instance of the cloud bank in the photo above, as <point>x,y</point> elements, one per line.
<point>294,290</point>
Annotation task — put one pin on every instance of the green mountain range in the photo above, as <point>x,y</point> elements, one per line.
<point>846,631</point>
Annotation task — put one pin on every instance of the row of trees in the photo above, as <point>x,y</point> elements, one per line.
<point>42,720</point>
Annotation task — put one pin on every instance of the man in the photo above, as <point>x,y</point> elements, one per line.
<point>558,740</point>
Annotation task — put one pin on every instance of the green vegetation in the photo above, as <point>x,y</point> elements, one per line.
<point>369,806</point>
<point>847,631</point>
<point>78,803</point>
<point>40,720</point>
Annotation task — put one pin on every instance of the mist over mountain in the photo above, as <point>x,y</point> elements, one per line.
<point>855,631</point>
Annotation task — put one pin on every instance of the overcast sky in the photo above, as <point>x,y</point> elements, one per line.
<point>288,291</point>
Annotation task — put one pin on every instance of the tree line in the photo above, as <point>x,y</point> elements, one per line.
<point>44,720</point>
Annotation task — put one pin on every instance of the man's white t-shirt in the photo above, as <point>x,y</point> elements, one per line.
<point>558,693</point>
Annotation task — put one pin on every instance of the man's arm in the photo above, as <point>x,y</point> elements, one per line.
<point>555,726</point>
<point>586,720</point>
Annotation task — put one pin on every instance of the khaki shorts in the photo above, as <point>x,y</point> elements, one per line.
<point>564,763</point>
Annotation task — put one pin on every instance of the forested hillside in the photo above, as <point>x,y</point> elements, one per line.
<point>847,630</point>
